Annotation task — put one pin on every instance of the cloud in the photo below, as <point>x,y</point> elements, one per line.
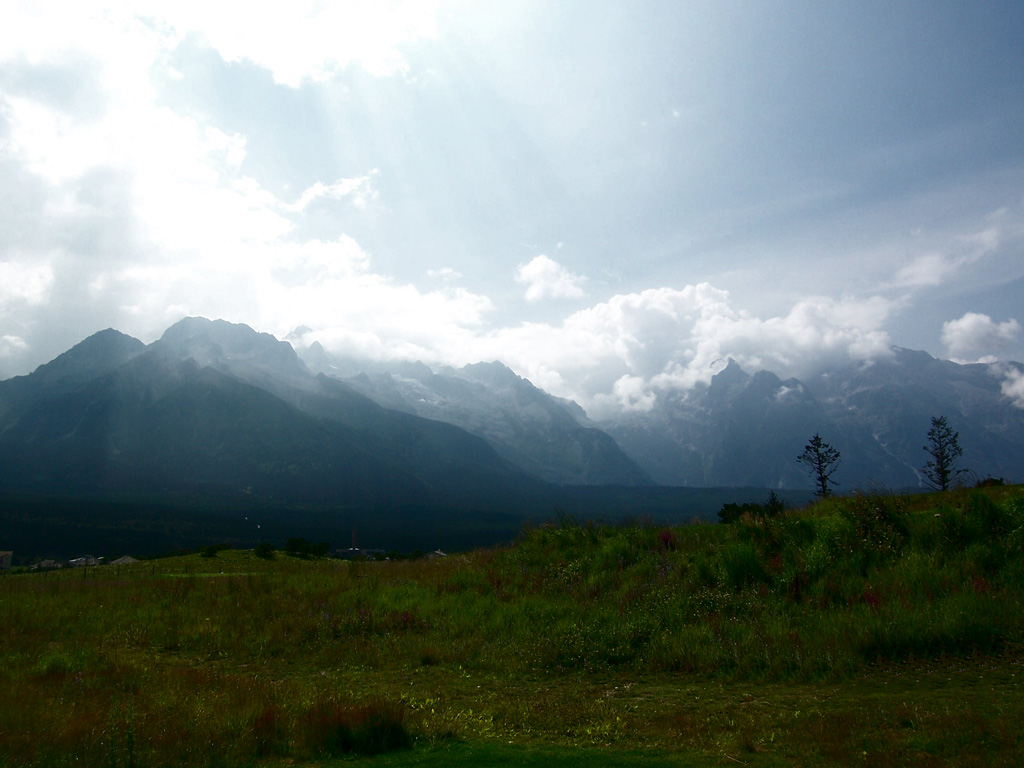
<point>615,356</point>
<point>444,273</point>
<point>1013,386</point>
<point>24,282</point>
<point>307,39</point>
<point>134,214</point>
<point>121,211</point>
<point>359,189</point>
<point>547,279</point>
<point>632,394</point>
<point>935,268</point>
<point>975,336</point>
<point>927,269</point>
<point>10,345</point>
<point>295,41</point>
<point>624,353</point>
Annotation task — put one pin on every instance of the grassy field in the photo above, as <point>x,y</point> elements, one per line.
<point>860,631</point>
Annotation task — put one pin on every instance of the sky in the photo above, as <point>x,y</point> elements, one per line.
<point>611,198</point>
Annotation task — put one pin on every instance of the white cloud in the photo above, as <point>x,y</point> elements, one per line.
<point>976,336</point>
<point>444,273</point>
<point>143,214</point>
<point>150,214</point>
<point>938,267</point>
<point>623,352</point>
<point>1013,386</point>
<point>632,394</point>
<point>927,269</point>
<point>547,279</point>
<point>359,189</point>
<point>185,229</point>
<point>784,391</point>
<point>24,282</point>
<point>306,39</point>
<point>294,40</point>
<point>11,345</point>
<point>615,356</point>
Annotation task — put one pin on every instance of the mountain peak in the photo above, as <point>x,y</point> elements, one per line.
<point>228,335</point>
<point>234,339</point>
<point>219,342</point>
<point>730,376</point>
<point>102,352</point>
<point>492,373</point>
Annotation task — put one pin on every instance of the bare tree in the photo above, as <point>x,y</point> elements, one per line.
<point>822,461</point>
<point>944,449</point>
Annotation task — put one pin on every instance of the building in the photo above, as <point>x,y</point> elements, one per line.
<point>5,560</point>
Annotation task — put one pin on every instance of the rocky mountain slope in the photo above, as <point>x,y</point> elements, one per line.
<point>543,435</point>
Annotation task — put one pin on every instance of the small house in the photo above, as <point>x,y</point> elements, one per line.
<point>5,560</point>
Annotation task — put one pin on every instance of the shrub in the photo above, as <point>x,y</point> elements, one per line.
<point>732,511</point>
<point>741,565</point>
<point>991,520</point>
<point>264,550</point>
<point>211,550</point>
<point>834,539</point>
<point>881,523</point>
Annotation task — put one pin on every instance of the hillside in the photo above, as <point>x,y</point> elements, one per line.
<point>865,630</point>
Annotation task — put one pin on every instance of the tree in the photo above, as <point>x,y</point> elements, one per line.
<point>822,461</point>
<point>944,449</point>
<point>773,506</point>
<point>264,550</point>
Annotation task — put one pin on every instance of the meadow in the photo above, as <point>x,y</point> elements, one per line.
<point>867,630</point>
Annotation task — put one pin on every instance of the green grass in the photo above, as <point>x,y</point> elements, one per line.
<point>867,631</point>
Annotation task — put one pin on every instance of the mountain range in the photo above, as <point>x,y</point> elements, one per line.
<point>215,413</point>
<point>216,409</point>
<point>747,429</point>
<point>216,432</point>
<point>740,430</point>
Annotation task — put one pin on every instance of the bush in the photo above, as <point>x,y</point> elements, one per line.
<point>741,565</point>
<point>264,550</point>
<point>211,550</point>
<point>773,506</point>
<point>881,523</point>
